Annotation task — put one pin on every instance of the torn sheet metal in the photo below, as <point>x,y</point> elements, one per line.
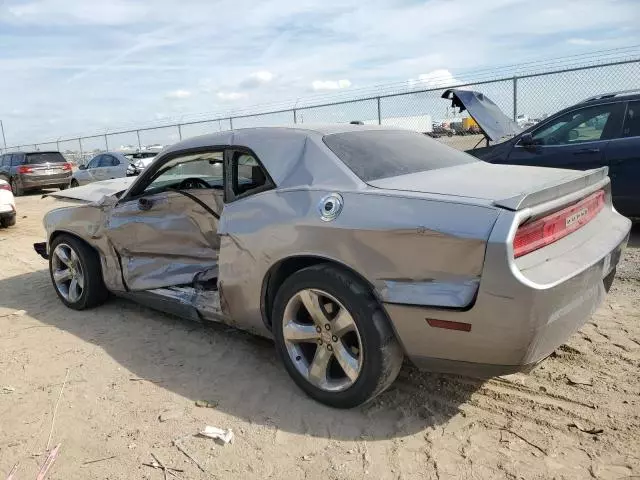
<point>435,293</point>
<point>94,192</point>
<point>170,244</point>
<point>490,118</point>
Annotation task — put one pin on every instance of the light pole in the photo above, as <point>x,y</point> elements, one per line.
<point>4,140</point>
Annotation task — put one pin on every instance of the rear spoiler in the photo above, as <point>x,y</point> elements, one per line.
<point>590,178</point>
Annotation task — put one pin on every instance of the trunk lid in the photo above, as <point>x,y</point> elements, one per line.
<point>493,122</point>
<point>513,187</point>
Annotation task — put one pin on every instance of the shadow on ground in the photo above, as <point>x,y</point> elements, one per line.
<point>238,370</point>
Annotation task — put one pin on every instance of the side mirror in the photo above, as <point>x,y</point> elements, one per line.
<point>527,141</point>
<point>82,167</point>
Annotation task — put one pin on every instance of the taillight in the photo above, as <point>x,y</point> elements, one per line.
<point>5,186</point>
<point>552,228</point>
<point>66,166</point>
<point>24,169</point>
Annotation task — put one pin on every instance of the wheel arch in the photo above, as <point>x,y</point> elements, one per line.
<point>285,267</point>
<point>56,233</point>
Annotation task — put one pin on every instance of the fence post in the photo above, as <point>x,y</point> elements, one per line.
<point>180,131</point>
<point>58,145</point>
<point>515,98</point>
<point>81,152</point>
<point>106,142</point>
<point>139,144</point>
<point>295,116</point>
<point>231,122</point>
<point>35,147</point>
<point>379,112</point>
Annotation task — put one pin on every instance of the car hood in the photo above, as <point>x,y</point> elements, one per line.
<point>95,191</point>
<point>508,186</point>
<point>488,116</point>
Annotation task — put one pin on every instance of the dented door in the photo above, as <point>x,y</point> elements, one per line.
<point>167,239</point>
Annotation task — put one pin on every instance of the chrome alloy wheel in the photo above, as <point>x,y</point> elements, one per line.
<point>67,273</point>
<point>322,340</point>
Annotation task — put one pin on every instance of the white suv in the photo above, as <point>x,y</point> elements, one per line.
<point>7,205</point>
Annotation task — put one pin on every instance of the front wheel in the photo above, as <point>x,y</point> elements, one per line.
<point>333,337</point>
<point>74,183</point>
<point>76,273</point>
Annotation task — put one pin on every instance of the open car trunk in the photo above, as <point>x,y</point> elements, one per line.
<point>493,122</point>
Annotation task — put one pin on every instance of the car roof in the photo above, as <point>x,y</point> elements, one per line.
<point>29,152</point>
<point>294,155</point>
<point>621,96</point>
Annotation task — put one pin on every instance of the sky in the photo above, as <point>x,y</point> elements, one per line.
<point>70,67</point>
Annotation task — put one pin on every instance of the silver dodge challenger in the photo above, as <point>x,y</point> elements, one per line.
<point>352,246</point>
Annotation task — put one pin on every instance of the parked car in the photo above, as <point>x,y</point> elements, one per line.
<point>34,170</point>
<point>352,246</point>
<point>139,160</point>
<point>602,131</point>
<point>104,166</point>
<point>7,205</point>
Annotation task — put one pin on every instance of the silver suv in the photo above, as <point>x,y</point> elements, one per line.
<point>34,170</point>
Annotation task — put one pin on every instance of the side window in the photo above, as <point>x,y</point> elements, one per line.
<point>105,161</point>
<point>95,161</point>
<point>631,127</point>
<point>247,175</point>
<point>16,159</point>
<point>114,161</point>
<point>585,125</point>
<point>188,172</point>
<point>3,161</point>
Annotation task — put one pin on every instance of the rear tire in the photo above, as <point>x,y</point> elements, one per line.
<point>374,355</point>
<point>17,190</point>
<point>82,266</point>
<point>74,183</point>
<point>9,221</point>
<point>64,187</point>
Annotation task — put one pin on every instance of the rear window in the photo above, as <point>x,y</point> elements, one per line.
<point>44,157</point>
<point>375,154</point>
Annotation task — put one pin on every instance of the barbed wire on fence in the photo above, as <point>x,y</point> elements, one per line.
<point>525,92</point>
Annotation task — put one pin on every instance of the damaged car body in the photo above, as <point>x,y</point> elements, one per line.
<point>352,246</point>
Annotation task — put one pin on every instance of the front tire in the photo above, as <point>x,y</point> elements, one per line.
<point>76,273</point>
<point>74,183</point>
<point>334,339</point>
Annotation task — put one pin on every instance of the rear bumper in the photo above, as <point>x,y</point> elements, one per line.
<point>523,311</point>
<point>44,181</point>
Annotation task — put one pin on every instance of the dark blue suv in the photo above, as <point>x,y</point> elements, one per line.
<point>600,131</point>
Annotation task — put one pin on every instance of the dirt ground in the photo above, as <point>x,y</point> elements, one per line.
<point>125,366</point>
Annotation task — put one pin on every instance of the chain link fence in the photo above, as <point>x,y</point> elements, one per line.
<point>527,98</point>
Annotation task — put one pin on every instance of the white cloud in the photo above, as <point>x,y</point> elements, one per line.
<point>580,41</point>
<point>178,94</point>
<point>330,84</point>
<point>257,79</point>
<point>439,78</point>
<point>231,96</point>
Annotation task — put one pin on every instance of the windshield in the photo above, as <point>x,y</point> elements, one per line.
<point>205,166</point>
<point>44,157</point>
<point>375,154</point>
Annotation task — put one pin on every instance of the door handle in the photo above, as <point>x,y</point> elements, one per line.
<point>145,204</point>
<point>585,151</point>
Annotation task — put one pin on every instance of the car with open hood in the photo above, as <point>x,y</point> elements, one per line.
<point>601,131</point>
<point>352,246</point>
